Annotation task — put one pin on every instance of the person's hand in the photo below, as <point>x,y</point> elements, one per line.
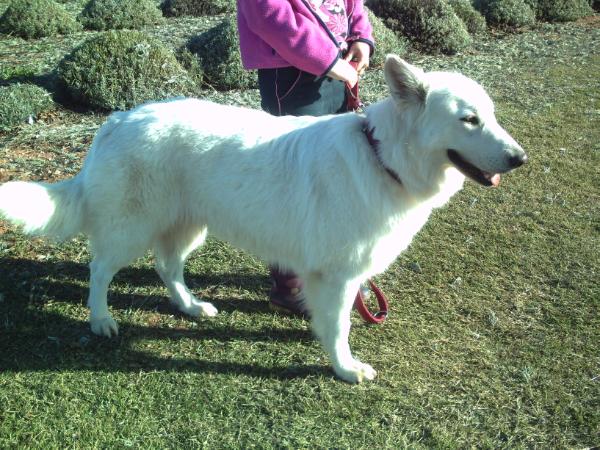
<point>359,52</point>
<point>342,70</point>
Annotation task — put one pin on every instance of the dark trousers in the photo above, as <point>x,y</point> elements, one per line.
<point>290,91</point>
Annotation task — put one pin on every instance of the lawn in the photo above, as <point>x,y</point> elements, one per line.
<point>493,338</point>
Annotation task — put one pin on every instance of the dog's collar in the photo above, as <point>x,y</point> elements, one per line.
<point>374,144</point>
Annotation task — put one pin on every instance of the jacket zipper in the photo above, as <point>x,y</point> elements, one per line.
<point>329,33</point>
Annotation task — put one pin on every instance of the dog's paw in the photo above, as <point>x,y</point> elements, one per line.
<point>356,372</point>
<point>199,309</point>
<point>105,326</point>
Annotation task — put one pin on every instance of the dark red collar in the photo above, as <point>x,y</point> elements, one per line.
<point>374,144</point>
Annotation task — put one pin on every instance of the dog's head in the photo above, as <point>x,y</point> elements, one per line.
<point>454,123</point>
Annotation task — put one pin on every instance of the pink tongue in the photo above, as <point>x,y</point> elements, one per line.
<point>495,180</point>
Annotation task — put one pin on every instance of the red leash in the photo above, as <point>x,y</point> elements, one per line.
<point>359,304</point>
<point>352,98</point>
<point>354,104</point>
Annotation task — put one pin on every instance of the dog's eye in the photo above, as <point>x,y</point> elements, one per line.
<point>473,120</point>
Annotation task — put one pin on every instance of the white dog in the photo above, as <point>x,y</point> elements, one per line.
<point>335,199</point>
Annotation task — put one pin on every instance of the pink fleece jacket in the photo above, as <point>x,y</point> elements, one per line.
<point>283,33</point>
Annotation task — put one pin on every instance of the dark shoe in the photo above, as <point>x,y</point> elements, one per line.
<point>286,294</point>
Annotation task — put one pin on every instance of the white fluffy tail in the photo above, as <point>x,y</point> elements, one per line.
<point>52,210</point>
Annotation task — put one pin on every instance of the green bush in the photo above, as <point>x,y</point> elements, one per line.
<point>472,18</point>
<point>431,25</point>
<point>37,18</point>
<point>562,10</point>
<point>18,102</point>
<point>386,41</point>
<point>116,14</point>
<point>120,69</point>
<point>506,13</point>
<point>197,7</point>
<point>190,62</point>
<point>16,72</point>
<point>218,53</point>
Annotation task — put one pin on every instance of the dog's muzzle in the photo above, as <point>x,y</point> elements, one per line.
<point>481,176</point>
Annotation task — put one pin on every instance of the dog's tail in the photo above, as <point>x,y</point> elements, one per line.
<point>52,210</point>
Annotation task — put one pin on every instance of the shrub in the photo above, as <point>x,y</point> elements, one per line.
<point>506,13</point>
<point>197,7</point>
<point>15,72</point>
<point>472,18</point>
<point>218,53</point>
<point>18,102</point>
<point>386,41</point>
<point>562,10</point>
<point>120,69</point>
<point>190,62</point>
<point>116,14</point>
<point>431,25</point>
<point>37,18</point>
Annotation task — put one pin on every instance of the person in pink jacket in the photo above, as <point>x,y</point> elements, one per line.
<point>302,50</point>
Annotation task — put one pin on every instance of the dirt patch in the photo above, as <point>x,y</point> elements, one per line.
<point>590,21</point>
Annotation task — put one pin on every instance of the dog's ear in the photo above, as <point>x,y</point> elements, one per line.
<point>405,81</point>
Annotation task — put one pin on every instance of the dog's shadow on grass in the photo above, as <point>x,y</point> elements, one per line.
<point>35,337</point>
<point>69,282</point>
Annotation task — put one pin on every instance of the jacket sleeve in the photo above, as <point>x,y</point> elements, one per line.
<point>296,37</point>
<point>360,28</point>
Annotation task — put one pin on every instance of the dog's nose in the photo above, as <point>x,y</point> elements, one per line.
<point>517,160</point>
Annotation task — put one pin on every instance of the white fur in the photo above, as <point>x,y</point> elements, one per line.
<point>305,193</point>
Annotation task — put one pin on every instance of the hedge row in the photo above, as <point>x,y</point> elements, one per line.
<point>32,19</point>
<point>433,25</point>
<point>120,69</point>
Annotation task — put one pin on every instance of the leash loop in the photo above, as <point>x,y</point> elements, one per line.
<point>368,316</point>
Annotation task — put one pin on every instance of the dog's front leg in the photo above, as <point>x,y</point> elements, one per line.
<point>330,301</point>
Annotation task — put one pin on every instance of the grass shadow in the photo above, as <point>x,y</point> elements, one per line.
<point>69,281</point>
<point>37,339</point>
<point>52,342</point>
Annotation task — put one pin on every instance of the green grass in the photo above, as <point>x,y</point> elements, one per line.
<point>493,343</point>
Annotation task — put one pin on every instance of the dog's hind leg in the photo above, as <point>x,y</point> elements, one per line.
<point>101,274</point>
<point>111,253</point>
<point>330,301</point>
<point>171,250</point>
<point>113,247</point>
